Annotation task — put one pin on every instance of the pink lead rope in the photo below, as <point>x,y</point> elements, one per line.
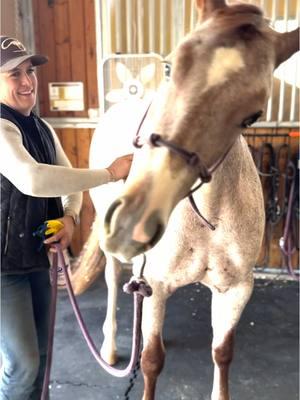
<point>137,286</point>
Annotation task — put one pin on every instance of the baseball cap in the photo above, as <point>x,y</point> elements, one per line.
<point>14,53</point>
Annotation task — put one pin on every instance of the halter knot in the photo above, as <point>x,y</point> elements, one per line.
<point>206,177</point>
<point>154,139</point>
<point>138,285</point>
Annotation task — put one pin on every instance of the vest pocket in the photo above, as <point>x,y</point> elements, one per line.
<point>6,236</point>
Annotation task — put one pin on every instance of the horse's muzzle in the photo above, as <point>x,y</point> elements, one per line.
<point>129,231</point>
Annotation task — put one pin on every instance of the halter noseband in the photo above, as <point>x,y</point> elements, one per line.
<point>191,158</point>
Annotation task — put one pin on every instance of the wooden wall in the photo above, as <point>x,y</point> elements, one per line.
<point>65,31</point>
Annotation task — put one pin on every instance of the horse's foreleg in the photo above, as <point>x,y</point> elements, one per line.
<point>112,276</point>
<point>227,308</point>
<point>153,354</point>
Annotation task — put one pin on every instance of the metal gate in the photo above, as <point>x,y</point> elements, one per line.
<point>156,26</point>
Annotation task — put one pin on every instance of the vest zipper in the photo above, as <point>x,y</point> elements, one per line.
<point>6,236</point>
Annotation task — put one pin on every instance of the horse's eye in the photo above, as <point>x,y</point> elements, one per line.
<point>250,120</point>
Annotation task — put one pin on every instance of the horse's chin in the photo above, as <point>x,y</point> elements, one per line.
<point>126,249</point>
<point>126,253</point>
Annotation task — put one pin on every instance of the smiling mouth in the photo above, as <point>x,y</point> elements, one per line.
<point>26,93</point>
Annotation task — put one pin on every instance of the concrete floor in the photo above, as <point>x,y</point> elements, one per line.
<point>266,353</point>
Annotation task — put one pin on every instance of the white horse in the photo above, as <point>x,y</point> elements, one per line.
<point>113,137</point>
<point>220,82</point>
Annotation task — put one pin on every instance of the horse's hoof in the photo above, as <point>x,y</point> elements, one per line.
<point>110,358</point>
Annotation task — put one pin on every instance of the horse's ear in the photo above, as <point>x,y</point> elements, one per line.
<point>206,7</point>
<point>286,45</point>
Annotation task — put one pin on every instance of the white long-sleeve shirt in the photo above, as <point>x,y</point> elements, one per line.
<point>43,180</point>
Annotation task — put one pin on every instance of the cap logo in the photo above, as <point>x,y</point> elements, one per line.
<point>12,42</point>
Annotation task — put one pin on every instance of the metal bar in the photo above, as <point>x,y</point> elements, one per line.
<point>75,123</point>
<point>178,22</point>
<point>271,98</point>
<point>163,28</point>
<point>129,25</point>
<point>270,103</point>
<point>194,17</point>
<point>151,11</point>
<point>118,30</point>
<point>274,10</point>
<point>276,124</point>
<point>282,81</point>
<point>294,87</point>
<point>99,51</point>
<point>293,98</point>
<point>174,22</point>
<point>285,135</point>
<point>140,26</point>
<point>274,270</point>
<point>103,22</point>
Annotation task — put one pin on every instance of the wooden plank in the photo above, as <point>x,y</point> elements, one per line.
<point>77,47</point>
<point>69,144</point>
<point>90,55</point>
<point>87,214</point>
<point>83,147</point>
<point>59,133</point>
<point>62,45</point>
<point>45,44</point>
<point>68,140</point>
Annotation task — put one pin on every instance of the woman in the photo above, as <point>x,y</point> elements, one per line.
<point>35,173</point>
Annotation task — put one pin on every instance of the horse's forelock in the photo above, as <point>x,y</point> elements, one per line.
<point>233,16</point>
<point>241,9</point>
<point>242,21</point>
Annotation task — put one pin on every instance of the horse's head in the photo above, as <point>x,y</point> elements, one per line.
<point>220,80</point>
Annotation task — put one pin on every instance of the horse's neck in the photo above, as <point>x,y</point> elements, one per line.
<point>236,169</point>
<point>237,162</point>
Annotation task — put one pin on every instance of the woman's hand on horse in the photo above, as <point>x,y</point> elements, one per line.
<point>63,236</point>
<point>119,169</point>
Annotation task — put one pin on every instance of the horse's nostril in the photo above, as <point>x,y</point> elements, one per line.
<point>109,214</point>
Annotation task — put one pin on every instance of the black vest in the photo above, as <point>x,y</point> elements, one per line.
<point>21,214</point>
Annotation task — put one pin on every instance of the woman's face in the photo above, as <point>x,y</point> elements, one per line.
<point>18,88</point>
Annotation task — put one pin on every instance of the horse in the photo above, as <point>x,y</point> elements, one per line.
<point>192,132</point>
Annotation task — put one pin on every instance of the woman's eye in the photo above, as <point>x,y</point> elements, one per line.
<point>15,74</point>
<point>30,71</point>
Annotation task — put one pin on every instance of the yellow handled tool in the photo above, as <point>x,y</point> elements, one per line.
<point>53,226</point>
<point>50,227</point>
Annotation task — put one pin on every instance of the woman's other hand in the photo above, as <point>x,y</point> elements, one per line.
<point>119,169</point>
<point>64,235</point>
